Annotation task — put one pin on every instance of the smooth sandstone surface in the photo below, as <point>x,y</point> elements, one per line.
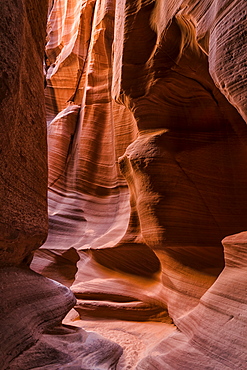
<point>32,335</point>
<point>146,129</point>
<point>211,336</point>
<point>150,251</point>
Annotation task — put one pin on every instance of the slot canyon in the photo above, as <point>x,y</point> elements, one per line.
<point>123,185</point>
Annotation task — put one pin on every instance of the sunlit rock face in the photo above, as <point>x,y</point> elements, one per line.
<point>145,102</point>
<point>87,131</point>
<point>186,170</point>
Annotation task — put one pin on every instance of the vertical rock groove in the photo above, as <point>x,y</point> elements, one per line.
<point>145,102</point>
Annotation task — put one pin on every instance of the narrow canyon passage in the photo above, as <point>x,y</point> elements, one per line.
<point>142,261</point>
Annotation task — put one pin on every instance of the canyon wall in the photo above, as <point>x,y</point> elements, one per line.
<point>23,132</point>
<point>146,114</point>
<point>32,306</point>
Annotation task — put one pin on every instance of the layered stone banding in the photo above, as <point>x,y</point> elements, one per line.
<point>146,111</point>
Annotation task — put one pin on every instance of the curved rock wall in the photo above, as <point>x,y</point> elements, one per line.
<point>211,335</point>
<point>89,134</point>
<point>146,110</point>
<point>32,306</point>
<point>179,134</point>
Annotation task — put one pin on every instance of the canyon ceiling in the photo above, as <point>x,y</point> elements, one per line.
<point>123,184</point>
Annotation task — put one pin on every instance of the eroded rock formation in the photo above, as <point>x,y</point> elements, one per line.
<point>211,336</point>
<point>146,111</point>
<point>32,306</point>
<point>23,170</point>
<point>31,332</point>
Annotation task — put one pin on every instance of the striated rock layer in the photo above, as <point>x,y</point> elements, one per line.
<point>212,335</point>
<point>164,82</point>
<point>37,339</point>
<point>146,104</point>
<point>32,306</point>
<point>146,110</point>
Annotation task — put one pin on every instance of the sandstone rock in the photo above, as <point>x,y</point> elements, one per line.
<point>32,306</point>
<point>185,171</point>
<point>23,173</point>
<point>153,249</point>
<point>60,266</point>
<point>211,336</point>
<point>31,332</point>
<point>226,25</point>
<point>61,133</point>
<point>90,185</point>
<point>168,94</point>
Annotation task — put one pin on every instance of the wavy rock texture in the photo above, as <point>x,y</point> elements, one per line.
<point>37,339</point>
<point>158,86</point>
<point>32,306</point>
<point>211,336</point>
<point>84,179</point>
